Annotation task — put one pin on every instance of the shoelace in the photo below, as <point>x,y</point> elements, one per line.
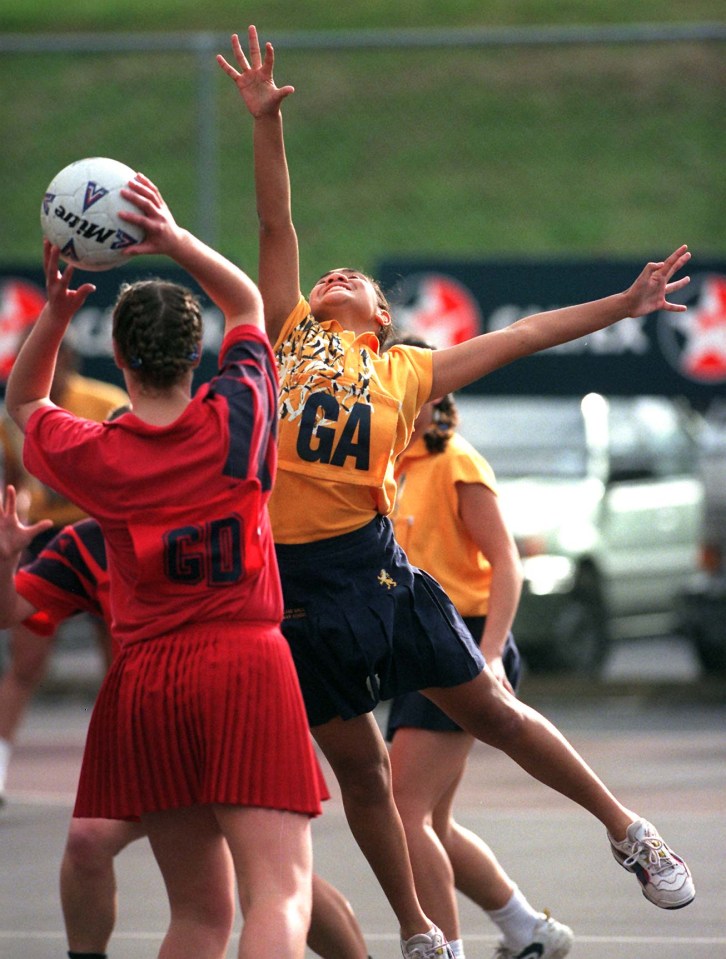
<point>650,850</point>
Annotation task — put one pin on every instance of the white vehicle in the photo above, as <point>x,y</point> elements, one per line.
<point>605,502</point>
<point>703,610</point>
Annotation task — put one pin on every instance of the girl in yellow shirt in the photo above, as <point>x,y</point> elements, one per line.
<point>362,623</point>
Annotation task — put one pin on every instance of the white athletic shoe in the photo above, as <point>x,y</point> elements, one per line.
<point>427,945</point>
<point>550,940</point>
<point>664,878</point>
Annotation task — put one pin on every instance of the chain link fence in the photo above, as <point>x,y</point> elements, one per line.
<point>459,143</point>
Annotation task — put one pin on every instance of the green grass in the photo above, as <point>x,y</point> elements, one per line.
<point>604,150</point>
<point>281,15</point>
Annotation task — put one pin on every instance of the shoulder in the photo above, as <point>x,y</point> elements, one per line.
<point>415,357</point>
<point>244,334</point>
<point>468,463</point>
<point>245,348</point>
<point>300,312</point>
<point>48,416</point>
<point>409,365</point>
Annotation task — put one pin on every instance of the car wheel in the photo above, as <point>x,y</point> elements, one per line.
<point>580,642</point>
<point>711,655</point>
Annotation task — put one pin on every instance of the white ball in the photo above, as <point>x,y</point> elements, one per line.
<point>79,213</point>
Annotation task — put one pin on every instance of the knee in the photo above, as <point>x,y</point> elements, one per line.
<point>216,914</point>
<point>412,806</point>
<point>367,782</point>
<point>289,910</point>
<point>85,850</point>
<point>299,914</point>
<point>502,724</point>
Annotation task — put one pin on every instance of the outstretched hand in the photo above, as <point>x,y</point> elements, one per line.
<point>651,289</point>
<point>254,78</point>
<point>154,217</point>
<point>14,537</point>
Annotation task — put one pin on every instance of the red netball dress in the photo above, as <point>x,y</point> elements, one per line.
<point>202,704</point>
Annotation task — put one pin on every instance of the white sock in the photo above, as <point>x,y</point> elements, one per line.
<point>5,751</point>
<point>516,920</point>
<point>457,948</point>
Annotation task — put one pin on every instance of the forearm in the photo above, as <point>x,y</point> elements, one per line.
<point>279,267</point>
<point>544,330</point>
<point>227,286</point>
<point>13,608</point>
<point>504,595</point>
<point>272,178</point>
<point>469,361</point>
<point>31,376</point>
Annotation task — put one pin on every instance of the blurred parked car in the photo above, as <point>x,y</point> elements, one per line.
<point>703,609</point>
<point>605,503</point>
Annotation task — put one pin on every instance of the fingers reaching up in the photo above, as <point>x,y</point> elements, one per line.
<point>253,76</point>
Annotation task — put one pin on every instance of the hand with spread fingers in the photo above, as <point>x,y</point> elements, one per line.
<point>254,77</point>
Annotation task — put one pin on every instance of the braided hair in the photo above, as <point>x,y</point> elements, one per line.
<point>445,415</point>
<point>157,327</point>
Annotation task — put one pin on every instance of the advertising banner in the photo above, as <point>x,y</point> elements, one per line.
<point>22,295</point>
<point>670,354</point>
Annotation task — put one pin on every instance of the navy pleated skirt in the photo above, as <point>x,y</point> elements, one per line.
<point>365,625</point>
<point>416,711</point>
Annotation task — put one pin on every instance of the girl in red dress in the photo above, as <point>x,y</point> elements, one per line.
<point>203,691</point>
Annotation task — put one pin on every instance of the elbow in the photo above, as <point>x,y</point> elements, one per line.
<point>271,227</point>
<point>15,402</point>
<point>20,412</point>
<point>516,569</point>
<point>14,410</point>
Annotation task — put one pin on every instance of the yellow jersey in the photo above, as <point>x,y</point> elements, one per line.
<point>346,412</point>
<point>427,522</point>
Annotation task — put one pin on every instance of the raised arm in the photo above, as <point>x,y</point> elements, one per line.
<point>279,268</point>
<point>228,287</point>
<point>14,537</point>
<point>31,376</point>
<point>462,364</point>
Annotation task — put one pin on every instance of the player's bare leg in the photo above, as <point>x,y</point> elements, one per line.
<point>88,881</point>
<point>359,758</point>
<point>29,656</point>
<point>197,869</point>
<point>477,872</point>
<point>489,712</point>
<point>334,931</point>
<point>272,853</point>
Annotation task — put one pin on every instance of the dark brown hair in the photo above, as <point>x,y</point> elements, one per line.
<point>157,327</point>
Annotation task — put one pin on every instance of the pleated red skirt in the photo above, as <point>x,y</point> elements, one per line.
<point>210,714</point>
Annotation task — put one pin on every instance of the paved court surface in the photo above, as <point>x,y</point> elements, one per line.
<point>661,747</point>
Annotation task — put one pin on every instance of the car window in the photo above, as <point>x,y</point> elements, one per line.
<point>648,439</point>
<point>526,436</point>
